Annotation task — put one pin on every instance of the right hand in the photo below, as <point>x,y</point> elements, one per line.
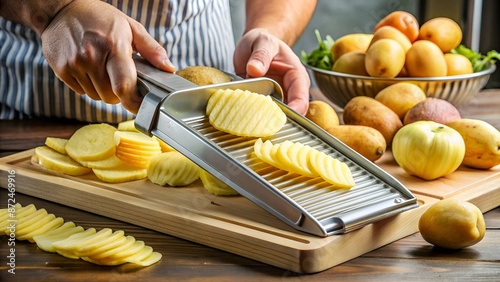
<point>89,45</point>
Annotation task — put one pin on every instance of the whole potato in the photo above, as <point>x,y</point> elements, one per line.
<point>367,111</point>
<point>203,75</point>
<point>365,140</point>
<point>322,114</point>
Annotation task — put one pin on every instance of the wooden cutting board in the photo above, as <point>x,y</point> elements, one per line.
<point>237,225</point>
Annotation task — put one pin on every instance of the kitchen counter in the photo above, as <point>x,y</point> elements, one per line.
<point>410,258</point>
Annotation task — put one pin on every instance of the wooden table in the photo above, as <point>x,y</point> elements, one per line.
<point>410,258</point>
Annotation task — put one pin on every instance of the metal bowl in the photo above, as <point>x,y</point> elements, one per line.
<point>340,88</point>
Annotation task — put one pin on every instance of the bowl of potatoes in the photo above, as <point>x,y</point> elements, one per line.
<point>400,49</point>
<point>340,88</point>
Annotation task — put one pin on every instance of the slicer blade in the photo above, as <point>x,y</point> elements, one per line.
<point>177,116</point>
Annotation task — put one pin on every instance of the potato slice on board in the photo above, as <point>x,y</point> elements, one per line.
<point>120,175</point>
<point>55,161</point>
<point>92,142</point>
<point>57,144</point>
<point>215,186</point>
<point>173,169</point>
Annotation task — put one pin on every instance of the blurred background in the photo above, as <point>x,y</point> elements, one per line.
<point>478,19</point>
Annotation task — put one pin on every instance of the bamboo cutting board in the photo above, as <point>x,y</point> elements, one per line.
<point>237,225</point>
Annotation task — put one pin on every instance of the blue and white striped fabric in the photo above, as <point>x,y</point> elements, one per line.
<point>193,33</point>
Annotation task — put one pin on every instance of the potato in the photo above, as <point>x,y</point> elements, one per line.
<point>203,75</point>
<point>367,111</point>
<point>433,109</point>
<point>215,186</point>
<point>365,140</point>
<point>55,161</point>
<point>128,125</point>
<point>244,113</point>
<point>304,160</point>
<point>57,144</point>
<point>172,168</point>
<point>118,175</point>
<point>322,114</point>
<point>92,142</point>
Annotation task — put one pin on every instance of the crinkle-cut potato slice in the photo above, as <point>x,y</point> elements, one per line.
<point>99,246</point>
<point>47,223</point>
<point>92,142</point>
<point>55,161</point>
<point>331,170</point>
<point>215,186</point>
<point>57,144</point>
<point>128,125</point>
<point>103,247</point>
<point>173,169</point>
<point>46,240</point>
<point>129,242</point>
<point>135,138</point>
<point>244,113</point>
<point>120,175</point>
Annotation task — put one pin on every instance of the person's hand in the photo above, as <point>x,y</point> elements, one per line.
<point>89,45</point>
<point>259,53</point>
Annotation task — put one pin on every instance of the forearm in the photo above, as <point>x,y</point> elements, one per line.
<point>36,14</point>
<point>284,19</point>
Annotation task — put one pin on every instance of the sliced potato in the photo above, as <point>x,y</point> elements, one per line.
<point>57,144</point>
<point>55,161</point>
<point>164,146</point>
<point>128,125</point>
<point>120,175</point>
<point>331,170</point>
<point>92,142</point>
<point>244,113</point>
<point>112,162</point>
<point>135,138</point>
<point>45,241</point>
<point>173,169</point>
<point>266,152</point>
<point>215,186</point>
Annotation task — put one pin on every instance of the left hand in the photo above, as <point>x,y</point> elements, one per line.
<point>259,53</point>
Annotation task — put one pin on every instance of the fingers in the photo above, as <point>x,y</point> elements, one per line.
<point>149,49</point>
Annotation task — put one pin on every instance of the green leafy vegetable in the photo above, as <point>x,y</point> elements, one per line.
<point>322,56</point>
<point>478,60</point>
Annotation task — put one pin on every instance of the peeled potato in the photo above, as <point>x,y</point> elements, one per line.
<point>172,168</point>
<point>215,186</point>
<point>331,170</point>
<point>45,240</point>
<point>55,161</point>
<point>92,142</point>
<point>57,144</point>
<point>118,175</point>
<point>128,125</point>
<point>304,160</point>
<point>244,113</point>
<point>103,247</point>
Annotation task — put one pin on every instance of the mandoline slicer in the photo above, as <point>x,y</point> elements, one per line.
<point>173,110</point>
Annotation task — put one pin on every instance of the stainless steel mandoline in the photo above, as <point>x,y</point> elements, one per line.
<point>174,111</point>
